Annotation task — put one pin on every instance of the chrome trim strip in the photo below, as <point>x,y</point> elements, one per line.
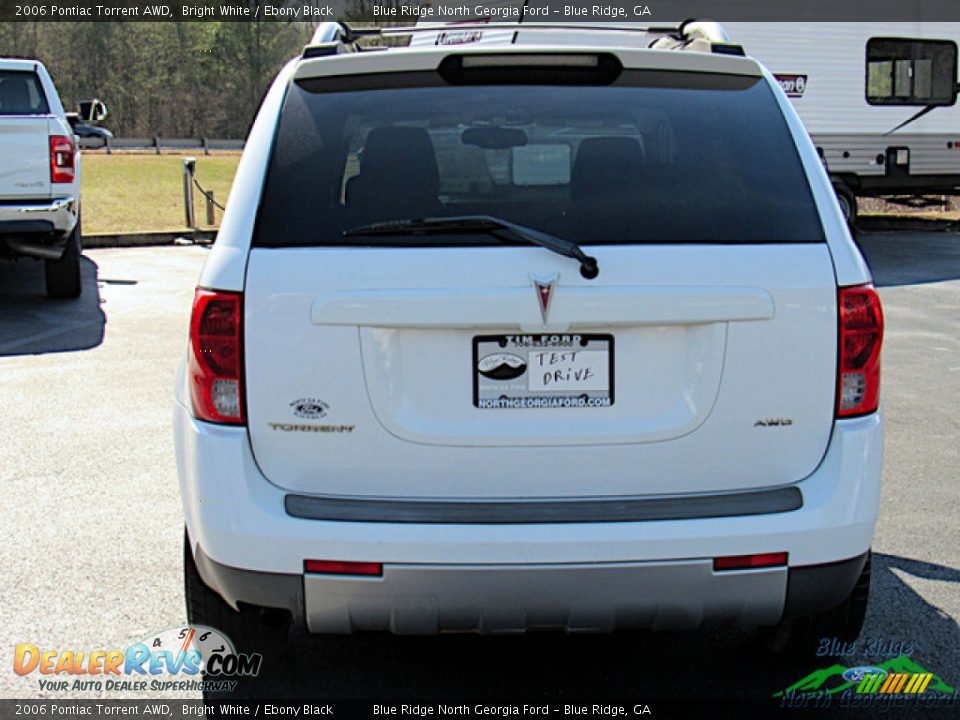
<point>517,512</point>
<point>50,207</point>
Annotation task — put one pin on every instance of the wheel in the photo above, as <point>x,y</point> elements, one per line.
<point>63,275</point>
<point>800,636</point>
<point>253,629</point>
<point>848,202</point>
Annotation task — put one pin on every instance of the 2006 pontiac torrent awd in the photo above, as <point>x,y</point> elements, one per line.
<point>508,337</point>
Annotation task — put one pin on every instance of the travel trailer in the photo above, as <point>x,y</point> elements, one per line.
<point>878,98</point>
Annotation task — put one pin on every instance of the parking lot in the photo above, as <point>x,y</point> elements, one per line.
<point>93,525</point>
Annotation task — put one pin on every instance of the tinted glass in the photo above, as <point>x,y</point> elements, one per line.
<point>21,94</point>
<point>654,158</point>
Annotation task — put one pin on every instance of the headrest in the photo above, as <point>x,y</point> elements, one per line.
<point>400,156</point>
<point>604,164</point>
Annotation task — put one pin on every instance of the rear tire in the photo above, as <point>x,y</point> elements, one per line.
<point>253,629</point>
<point>800,636</point>
<point>63,275</point>
<point>848,202</point>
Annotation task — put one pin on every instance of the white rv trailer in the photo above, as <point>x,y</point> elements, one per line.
<point>878,98</point>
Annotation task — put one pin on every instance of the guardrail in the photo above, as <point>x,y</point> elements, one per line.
<point>157,144</point>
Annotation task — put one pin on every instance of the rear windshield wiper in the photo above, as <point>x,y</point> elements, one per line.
<point>486,224</point>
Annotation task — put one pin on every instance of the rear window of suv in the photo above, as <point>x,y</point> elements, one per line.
<point>654,157</point>
<point>21,94</point>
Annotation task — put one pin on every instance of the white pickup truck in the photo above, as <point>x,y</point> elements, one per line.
<point>40,175</point>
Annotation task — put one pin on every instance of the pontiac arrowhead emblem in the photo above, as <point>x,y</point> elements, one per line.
<point>545,288</point>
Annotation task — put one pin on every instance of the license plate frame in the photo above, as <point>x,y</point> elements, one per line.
<point>585,380</point>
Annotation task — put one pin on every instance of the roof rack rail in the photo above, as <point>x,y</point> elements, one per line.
<point>333,38</point>
<point>699,36</point>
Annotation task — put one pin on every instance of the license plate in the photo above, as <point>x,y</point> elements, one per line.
<point>542,371</point>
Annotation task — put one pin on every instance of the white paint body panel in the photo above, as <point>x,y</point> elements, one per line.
<point>705,338</point>
<point>237,516</point>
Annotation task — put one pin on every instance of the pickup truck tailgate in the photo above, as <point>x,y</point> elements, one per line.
<point>25,129</point>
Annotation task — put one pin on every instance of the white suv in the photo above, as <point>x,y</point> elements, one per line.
<point>534,336</point>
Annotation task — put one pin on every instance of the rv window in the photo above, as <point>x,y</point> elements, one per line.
<point>911,72</point>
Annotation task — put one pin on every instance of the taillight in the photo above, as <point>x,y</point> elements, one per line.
<point>61,159</point>
<point>216,356</point>
<point>861,335</point>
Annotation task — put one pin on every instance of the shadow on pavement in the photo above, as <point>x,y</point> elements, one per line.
<point>899,612</point>
<point>911,258</point>
<point>713,663</point>
<point>30,323</point>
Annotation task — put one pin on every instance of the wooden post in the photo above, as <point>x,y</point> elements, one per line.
<point>211,211</point>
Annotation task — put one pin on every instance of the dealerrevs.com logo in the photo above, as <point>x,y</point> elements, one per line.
<point>185,658</point>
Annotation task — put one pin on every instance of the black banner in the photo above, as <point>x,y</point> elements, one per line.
<point>411,11</point>
<point>929,708</point>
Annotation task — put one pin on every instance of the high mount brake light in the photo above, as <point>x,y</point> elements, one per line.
<point>861,337</point>
<point>62,159</point>
<point>216,357</point>
<point>531,68</point>
<point>527,60</point>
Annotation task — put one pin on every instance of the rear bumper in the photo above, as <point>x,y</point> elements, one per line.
<point>654,572</point>
<point>599,597</point>
<point>590,597</point>
<point>38,227</point>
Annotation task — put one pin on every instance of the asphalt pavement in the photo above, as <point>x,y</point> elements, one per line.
<point>93,525</point>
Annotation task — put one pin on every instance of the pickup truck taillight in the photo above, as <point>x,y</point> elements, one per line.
<point>216,356</point>
<point>62,157</point>
<point>861,335</point>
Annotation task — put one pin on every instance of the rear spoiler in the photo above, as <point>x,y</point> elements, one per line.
<point>334,38</point>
